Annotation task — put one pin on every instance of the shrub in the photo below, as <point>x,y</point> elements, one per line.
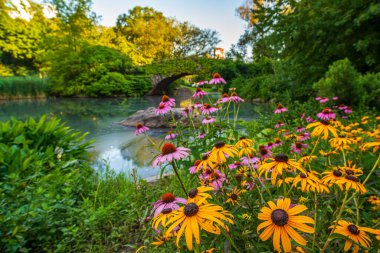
<point>23,87</point>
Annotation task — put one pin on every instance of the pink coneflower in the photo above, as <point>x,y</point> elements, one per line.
<point>264,152</point>
<point>208,109</point>
<point>217,180</point>
<point>186,111</point>
<point>304,136</point>
<point>202,82</point>
<point>347,110</point>
<point>342,107</point>
<point>170,136</point>
<point>193,169</point>
<point>269,145</point>
<point>201,135</point>
<point>335,98</point>
<point>169,153</point>
<point>235,98</point>
<point>250,161</point>
<point>279,124</point>
<point>168,200</point>
<point>310,119</point>
<point>300,129</point>
<point>280,109</point>
<point>197,105</point>
<point>216,79</point>
<point>323,100</point>
<point>162,109</point>
<point>303,115</point>
<point>199,93</point>
<point>298,146</point>
<point>326,114</point>
<point>277,142</point>
<point>140,128</point>
<point>344,117</point>
<point>234,165</point>
<point>249,182</point>
<point>166,100</point>
<point>318,98</point>
<point>208,120</point>
<point>206,175</point>
<point>224,99</point>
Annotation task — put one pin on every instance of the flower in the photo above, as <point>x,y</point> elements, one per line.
<point>298,146</point>
<point>209,217</point>
<point>335,98</point>
<point>351,182</point>
<point>326,114</point>
<point>198,193</point>
<point>322,127</point>
<point>140,128</point>
<point>303,136</point>
<point>235,165</point>
<point>216,79</point>
<point>169,153</point>
<point>264,152</point>
<point>250,161</point>
<point>199,93</point>
<point>197,105</point>
<point>310,182</point>
<point>234,196</point>
<point>331,177</point>
<point>201,135</point>
<point>208,120</point>
<point>300,129</point>
<point>244,142</point>
<point>323,100</point>
<point>206,162</point>
<point>170,136</point>
<point>277,142</point>
<point>279,124</point>
<point>280,221</point>
<point>193,169</point>
<point>224,99</point>
<point>216,180</point>
<point>167,101</point>
<point>208,109</point>
<point>347,110</point>
<point>162,217</point>
<point>276,167</point>
<point>168,200</point>
<point>162,109</point>
<point>305,159</point>
<point>221,151</point>
<point>280,109</point>
<point>235,98</point>
<point>160,240</point>
<point>355,234</point>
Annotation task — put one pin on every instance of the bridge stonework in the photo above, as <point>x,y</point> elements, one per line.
<point>160,83</point>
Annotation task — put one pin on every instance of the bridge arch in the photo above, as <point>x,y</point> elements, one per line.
<point>160,83</point>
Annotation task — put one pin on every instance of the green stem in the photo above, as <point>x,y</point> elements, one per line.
<point>315,218</point>
<point>357,211</point>
<point>315,145</point>
<point>179,178</point>
<point>336,222</point>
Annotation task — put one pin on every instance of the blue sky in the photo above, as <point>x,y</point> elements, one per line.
<point>219,15</point>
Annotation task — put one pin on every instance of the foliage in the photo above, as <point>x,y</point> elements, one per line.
<point>23,87</point>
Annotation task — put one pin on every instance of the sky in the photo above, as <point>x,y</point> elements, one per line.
<point>219,15</point>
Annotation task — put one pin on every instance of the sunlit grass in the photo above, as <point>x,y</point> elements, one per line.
<point>23,87</point>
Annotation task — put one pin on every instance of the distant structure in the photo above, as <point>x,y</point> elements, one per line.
<point>219,53</point>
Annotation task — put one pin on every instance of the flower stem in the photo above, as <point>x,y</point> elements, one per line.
<point>179,178</point>
<point>336,222</point>
<point>315,217</point>
<point>315,145</point>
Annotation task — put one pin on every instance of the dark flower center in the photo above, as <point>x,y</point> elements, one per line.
<point>205,157</point>
<point>270,144</point>
<point>225,95</point>
<point>353,229</point>
<point>238,177</point>
<point>193,192</point>
<point>279,122</point>
<point>191,209</point>
<point>138,126</point>
<point>234,196</point>
<point>280,106</point>
<point>234,94</point>
<point>206,106</point>
<point>216,75</point>
<point>168,197</point>
<point>238,164</point>
<point>219,144</point>
<point>326,110</point>
<point>168,148</point>
<point>167,210</point>
<point>165,98</point>
<point>279,217</point>
<point>208,172</point>
<point>350,172</point>
<point>161,106</point>
<point>298,145</point>
<point>197,162</point>
<point>277,140</point>
<point>216,175</point>
<point>337,173</point>
<point>352,178</point>
<point>198,89</point>
<point>242,138</point>
<point>325,122</point>
<point>302,175</point>
<point>281,158</point>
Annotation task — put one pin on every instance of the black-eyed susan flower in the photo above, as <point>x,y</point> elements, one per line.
<point>350,169</point>
<point>331,176</point>
<point>162,218</point>
<point>351,182</point>
<point>328,153</point>
<point>309,181</point>
<point>234,196</point>
<point>160,240</point>
<point>195,216</point>
<point>221,151</point>
<point>323,127</point>
<point>356,235</point>
<point>244,142</point>
<point>280,163</point>
<point>207,162</point>
<point>281,221</point>
<point>374,200</point>
<point>305,159</point>
<point>341,142</point>
<point>199,193</point>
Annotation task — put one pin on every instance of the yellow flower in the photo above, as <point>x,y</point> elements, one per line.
<point>206,162</point>
<point>280,163</point>
<point>351,182</point>
<point>374,200</point>
<point>305,159</point>
<point>331,177</point>
<point>310,182</point>
<point>162,218</point>
<point>355,234</point>
<point>160,240</point>
<point>234,196</point>
<point>280,221</point>
<point>375,145</point>
<point>341,142</point>
<point>244,142</point>
<point>322,127</point>
<point>248,151</point>
<point>212,250</point>
<point>196,215</point>
<point>246,216</point>
<point>303,200</point>
<point>221,150</point>
<point>350,169</point>
<point>198,193</point>
<point>328,153</point>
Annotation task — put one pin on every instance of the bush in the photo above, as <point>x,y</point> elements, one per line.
<point>23,87</point>
<point>370,83</point>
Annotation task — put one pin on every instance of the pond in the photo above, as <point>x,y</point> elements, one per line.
<point>115,145</point>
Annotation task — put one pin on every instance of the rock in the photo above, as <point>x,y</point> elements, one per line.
<point>149,118</point>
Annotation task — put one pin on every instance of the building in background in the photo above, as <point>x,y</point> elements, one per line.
<point>219,53</point>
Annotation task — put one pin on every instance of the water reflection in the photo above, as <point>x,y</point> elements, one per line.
<point>116,145</point>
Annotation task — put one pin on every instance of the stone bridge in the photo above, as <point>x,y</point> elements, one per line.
<point>160,83</point>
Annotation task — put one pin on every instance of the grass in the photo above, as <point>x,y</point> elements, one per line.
<point>23,87</point>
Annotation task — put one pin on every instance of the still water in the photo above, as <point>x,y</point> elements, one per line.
<point>115,144</point>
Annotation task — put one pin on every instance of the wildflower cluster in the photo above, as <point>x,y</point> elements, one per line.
<point>298,187</point>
